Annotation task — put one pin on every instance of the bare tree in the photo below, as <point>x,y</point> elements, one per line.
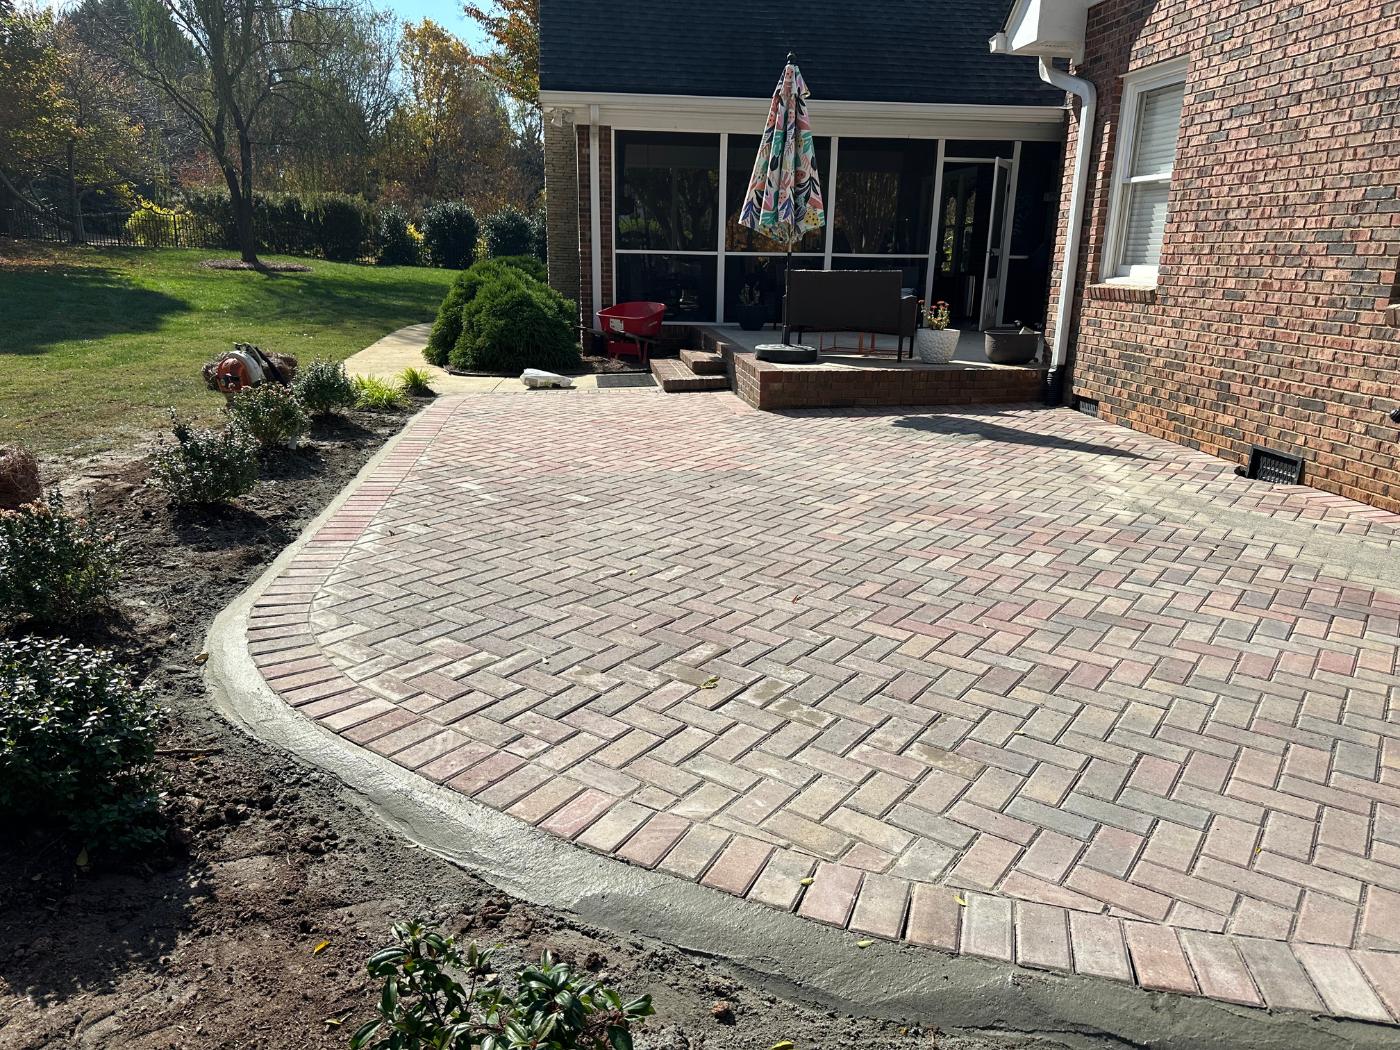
<point>225,64</point>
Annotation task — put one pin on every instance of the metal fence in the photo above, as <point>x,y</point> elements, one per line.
<point>114,229</point>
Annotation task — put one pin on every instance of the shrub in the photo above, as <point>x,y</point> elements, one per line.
<point>206,466</point>
<point>282,223</point>
<point>424,1003</point>
<point>77,745</point>
<point>539,235</point>
<point>19,477</point>
<point>415,382</point>
<point>55,568</point>
<point>515,322</point>
<point>152,226</point>
<point>339,228</point>
<point>375,395</point>
<point>450,233</point>
<point>447,329</point>
<point>508,232</point>
<point>394,244</point>
<point>270,414</point>
<point>216,208</point>
<point>323,387</point>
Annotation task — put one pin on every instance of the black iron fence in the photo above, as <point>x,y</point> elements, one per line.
<point>149,229</point>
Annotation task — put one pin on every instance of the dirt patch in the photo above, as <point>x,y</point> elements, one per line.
<point>211,943</point>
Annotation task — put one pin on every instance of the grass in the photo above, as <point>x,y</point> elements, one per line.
<point>97,344</point>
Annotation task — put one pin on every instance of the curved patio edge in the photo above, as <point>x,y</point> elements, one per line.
<point>996,961</point>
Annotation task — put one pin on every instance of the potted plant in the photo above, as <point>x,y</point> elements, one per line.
<point>935,342</point>
<point>752,312</point>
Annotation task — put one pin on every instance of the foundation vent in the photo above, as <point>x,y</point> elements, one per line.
<point>1274,467</point>
<point>1087,405</point>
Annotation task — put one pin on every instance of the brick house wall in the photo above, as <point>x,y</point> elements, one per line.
<point>1273,320</point>
<point>561,215</point>
<point>583,290</point>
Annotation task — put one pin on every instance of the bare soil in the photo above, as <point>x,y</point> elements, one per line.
<point>211,942</point>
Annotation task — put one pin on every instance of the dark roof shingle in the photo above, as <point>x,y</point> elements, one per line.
<point>877,51</point>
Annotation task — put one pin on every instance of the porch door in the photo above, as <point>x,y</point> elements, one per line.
<point>994,268</point>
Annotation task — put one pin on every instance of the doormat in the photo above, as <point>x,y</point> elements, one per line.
<point>622,379</point>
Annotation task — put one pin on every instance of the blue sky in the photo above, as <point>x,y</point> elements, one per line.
<point>446,13</point>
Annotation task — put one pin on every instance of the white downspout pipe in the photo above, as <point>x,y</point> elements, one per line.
<point>1088,102</point>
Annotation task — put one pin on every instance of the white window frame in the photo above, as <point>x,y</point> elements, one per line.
<point>1135,85</point>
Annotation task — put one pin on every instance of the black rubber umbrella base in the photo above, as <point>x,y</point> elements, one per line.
<point>785,353</point>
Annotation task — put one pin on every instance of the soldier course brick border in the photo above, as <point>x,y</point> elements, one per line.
<point>620,695</point>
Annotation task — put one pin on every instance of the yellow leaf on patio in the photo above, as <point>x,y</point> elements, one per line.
<point>320,947</point>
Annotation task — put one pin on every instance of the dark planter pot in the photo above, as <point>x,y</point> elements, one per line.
<point>1007,346</point>
<point>752,317</point>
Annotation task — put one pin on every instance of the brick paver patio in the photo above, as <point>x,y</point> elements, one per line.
<point>1023,684</point>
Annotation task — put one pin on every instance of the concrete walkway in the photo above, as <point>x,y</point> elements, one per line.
<point>1018,685</point>
<point>389,356</point>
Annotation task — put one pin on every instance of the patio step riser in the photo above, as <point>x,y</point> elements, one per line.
<point>702,362</point>
<point>675,378</point>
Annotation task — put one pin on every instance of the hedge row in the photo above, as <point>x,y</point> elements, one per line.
<point>345,228</point>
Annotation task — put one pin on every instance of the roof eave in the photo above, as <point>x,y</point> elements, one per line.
<point>1044,29</point>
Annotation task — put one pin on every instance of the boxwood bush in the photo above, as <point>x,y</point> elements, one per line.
<point>450,233</point>
<point>77,745</point>
<point>204,467</point>
<point>447,329</point>
<point>515,322</point>
<point>339,227</point>
<point>55,569</point>
<point>395,244</point>
<point>322,386</point>
<point>271,414</point>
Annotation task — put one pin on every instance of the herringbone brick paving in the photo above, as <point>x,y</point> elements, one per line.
<point>1020,684</point>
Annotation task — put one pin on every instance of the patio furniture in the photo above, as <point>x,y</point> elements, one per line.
<point>631,329</point>
<point>865,301</point>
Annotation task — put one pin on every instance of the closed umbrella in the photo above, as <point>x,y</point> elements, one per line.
<point>784,199</point>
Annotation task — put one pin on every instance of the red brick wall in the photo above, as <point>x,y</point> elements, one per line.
<point>1269,324</point>
<point>585,221</point>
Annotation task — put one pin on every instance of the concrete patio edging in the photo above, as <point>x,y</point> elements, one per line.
<point>777,951</point>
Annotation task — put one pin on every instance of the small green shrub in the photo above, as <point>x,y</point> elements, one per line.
<point>322,386</point>
<point>77,745</point>
<point>340,228</point>
<point>426,1006</point>
<point>508,232</point>
<point>394,244</point>
<point>513,323</point>
<point>271,414</point>
<point>450,232</point>
<point>415,382</point>
<point>152,226</point>
<point>203,466</point>
<point>539,236</point>
<point>55,569</point>
<point>447,329</point>
<point>375,395</point>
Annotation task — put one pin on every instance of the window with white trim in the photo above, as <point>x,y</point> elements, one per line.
<point>1146,154</point>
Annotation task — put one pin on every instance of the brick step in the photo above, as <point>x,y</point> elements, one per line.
<point>673,377</point>
<point>702,362</point>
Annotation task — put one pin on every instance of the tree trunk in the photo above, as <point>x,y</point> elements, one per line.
<point>242,205</point>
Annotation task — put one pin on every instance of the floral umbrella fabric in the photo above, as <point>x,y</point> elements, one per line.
<point>784,201</point>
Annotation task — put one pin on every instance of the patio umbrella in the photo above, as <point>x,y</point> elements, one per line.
<point>784,199</point>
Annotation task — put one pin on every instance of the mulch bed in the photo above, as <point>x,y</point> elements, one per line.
<point>261,267</point>
<point>210,942</point>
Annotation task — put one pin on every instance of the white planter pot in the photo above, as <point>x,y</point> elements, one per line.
<point>934,346</point>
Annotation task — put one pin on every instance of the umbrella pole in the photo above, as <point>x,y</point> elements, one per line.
<point>787,282</point>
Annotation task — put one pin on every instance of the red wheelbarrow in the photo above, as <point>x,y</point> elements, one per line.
<point>631,329</point>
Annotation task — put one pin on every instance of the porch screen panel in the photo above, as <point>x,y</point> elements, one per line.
<point>884,193</point>
<point>667,221</point>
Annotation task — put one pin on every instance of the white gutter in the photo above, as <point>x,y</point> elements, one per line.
<point>1088,103</point>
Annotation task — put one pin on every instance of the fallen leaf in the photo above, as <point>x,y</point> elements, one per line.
<point>711,682</point>
<point>786,1044</point>
<point>320,947</point>
<point>961,903</point>
<point>864,944</point>
<point>202,658</point>
<point>82,860</point>
<point>808,881</point>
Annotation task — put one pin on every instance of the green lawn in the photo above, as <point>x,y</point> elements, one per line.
<point>97,344</point>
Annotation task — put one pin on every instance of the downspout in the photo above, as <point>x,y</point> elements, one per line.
<point>1088,102</point>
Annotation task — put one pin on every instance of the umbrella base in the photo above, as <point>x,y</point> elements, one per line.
<point>786,353</point>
